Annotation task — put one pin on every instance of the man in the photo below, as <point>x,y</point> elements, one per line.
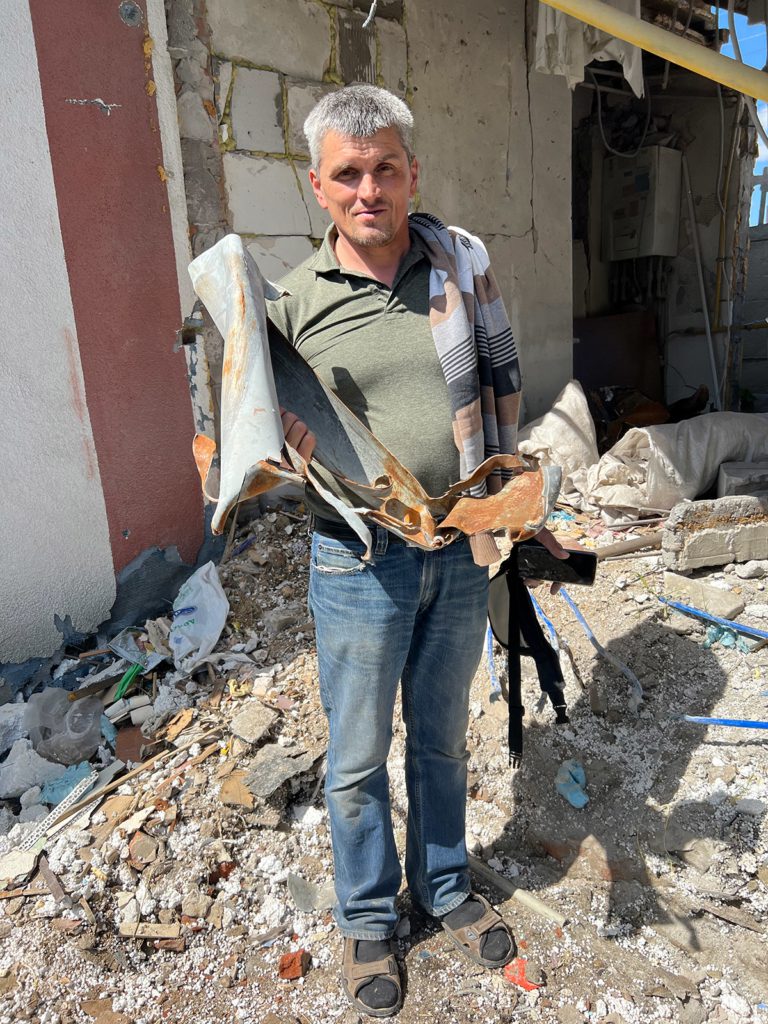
<point>359,312</point>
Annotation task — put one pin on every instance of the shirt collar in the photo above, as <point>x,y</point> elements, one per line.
<point>324,261</point>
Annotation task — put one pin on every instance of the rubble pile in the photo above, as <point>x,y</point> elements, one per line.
<point>196,885</point>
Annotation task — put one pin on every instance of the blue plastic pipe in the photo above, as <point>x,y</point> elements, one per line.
<point>495,684</point>
<point>739,723</point>
<point>634,682</point>
<point>737,627</point>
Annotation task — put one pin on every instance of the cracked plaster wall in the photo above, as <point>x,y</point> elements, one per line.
<point>493,139</point>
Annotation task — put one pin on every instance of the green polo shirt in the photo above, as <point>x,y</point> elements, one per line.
<point>373,346</point>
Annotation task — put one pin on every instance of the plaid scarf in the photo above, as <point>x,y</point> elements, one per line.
<point>474,342</point>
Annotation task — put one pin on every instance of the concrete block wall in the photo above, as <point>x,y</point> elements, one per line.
<point>494,149</point>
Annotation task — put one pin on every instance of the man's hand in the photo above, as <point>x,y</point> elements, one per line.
<point>548,540</point>
<point>297,434</point>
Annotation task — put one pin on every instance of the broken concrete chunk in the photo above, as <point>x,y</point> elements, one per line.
<point>24,768</point>
<point>253,722</point>
<point>701,533</point>
<point>703,596</point>
<point>196,904</point>
<point>274,765</point>
<point>754,570</point>
<point>17,864</point>
<point>310,897</point>
<point>279,619</point>
<point>752,808</point>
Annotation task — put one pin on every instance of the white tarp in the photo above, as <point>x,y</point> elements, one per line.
<point>654,468</point>
<point>564,45</point>
<point>651,468</point>
<point>565,437</point>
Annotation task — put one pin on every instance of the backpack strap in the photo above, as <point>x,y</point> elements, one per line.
<point>526,636</point>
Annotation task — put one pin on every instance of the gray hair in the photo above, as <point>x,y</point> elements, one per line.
<point>358,111</point>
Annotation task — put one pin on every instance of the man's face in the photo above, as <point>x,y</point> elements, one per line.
<point>365,185</point>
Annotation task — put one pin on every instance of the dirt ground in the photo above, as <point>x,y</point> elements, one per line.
<point>662,876</point>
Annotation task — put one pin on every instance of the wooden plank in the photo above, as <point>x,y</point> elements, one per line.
<point>147,930</point>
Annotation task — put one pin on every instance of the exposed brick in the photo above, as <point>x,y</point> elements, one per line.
<point>257,111</point>
<point>302,97</point>
<point>393,56</point>
<point>276,256</point>
<point>384,8</point>
<point>318,217</point>
<point>294,965</point>
<point>264,196</point>
<point>357,49</point>
<point>293,36</point>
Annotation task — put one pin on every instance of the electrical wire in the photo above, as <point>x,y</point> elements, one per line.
<point>737,50</point>
<point>616,152</point>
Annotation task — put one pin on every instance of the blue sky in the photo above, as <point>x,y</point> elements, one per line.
<point>753,49</point>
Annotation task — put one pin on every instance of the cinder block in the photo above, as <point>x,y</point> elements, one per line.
<point>276,256</point>
<point>318,217</point>
<point>264,196</point>
<point>703,596</point>
<point>356,48</point>
<point>743,478</point>
<point>393,56</point>
<point>384,8</point>
<point>257,111</point>
<point>293,36</point>
<point>302,97</point>
<point>701,533</point>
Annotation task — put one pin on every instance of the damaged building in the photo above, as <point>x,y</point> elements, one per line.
<point>609,166</point>
<point>629,274</point>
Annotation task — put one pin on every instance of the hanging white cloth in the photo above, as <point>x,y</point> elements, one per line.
<point>565,45</point>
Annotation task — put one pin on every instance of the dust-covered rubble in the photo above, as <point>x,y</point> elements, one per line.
<point>199,887</point>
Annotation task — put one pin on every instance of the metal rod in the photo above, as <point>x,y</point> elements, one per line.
<point>666,45</point>
<point>702,289</point>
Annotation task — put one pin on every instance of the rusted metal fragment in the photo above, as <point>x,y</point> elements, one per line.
<point>350,467</point>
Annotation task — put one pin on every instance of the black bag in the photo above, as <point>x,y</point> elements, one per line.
<point>516,627</point>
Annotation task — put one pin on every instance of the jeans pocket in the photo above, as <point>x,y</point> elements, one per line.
<point>337,560</point>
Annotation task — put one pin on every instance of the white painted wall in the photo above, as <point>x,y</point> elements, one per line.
<point>55,557</point>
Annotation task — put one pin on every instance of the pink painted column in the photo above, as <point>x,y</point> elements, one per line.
<point>101,119</point>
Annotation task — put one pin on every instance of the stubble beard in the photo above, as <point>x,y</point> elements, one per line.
<point>373,237</point>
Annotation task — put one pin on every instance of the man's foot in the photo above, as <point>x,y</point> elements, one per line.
<point>371,977</point>
<point>480,932</point>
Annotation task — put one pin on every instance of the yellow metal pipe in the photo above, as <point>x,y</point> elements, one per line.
<point>664,44</point>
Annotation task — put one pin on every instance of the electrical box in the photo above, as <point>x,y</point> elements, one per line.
<point>641,204</point>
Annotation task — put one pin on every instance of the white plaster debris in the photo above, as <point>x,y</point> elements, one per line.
<point>651,780</point>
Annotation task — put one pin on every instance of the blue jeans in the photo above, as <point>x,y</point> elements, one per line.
<point>419,617</point>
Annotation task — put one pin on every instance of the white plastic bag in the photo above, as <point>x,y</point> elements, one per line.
<point>199,613</point>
